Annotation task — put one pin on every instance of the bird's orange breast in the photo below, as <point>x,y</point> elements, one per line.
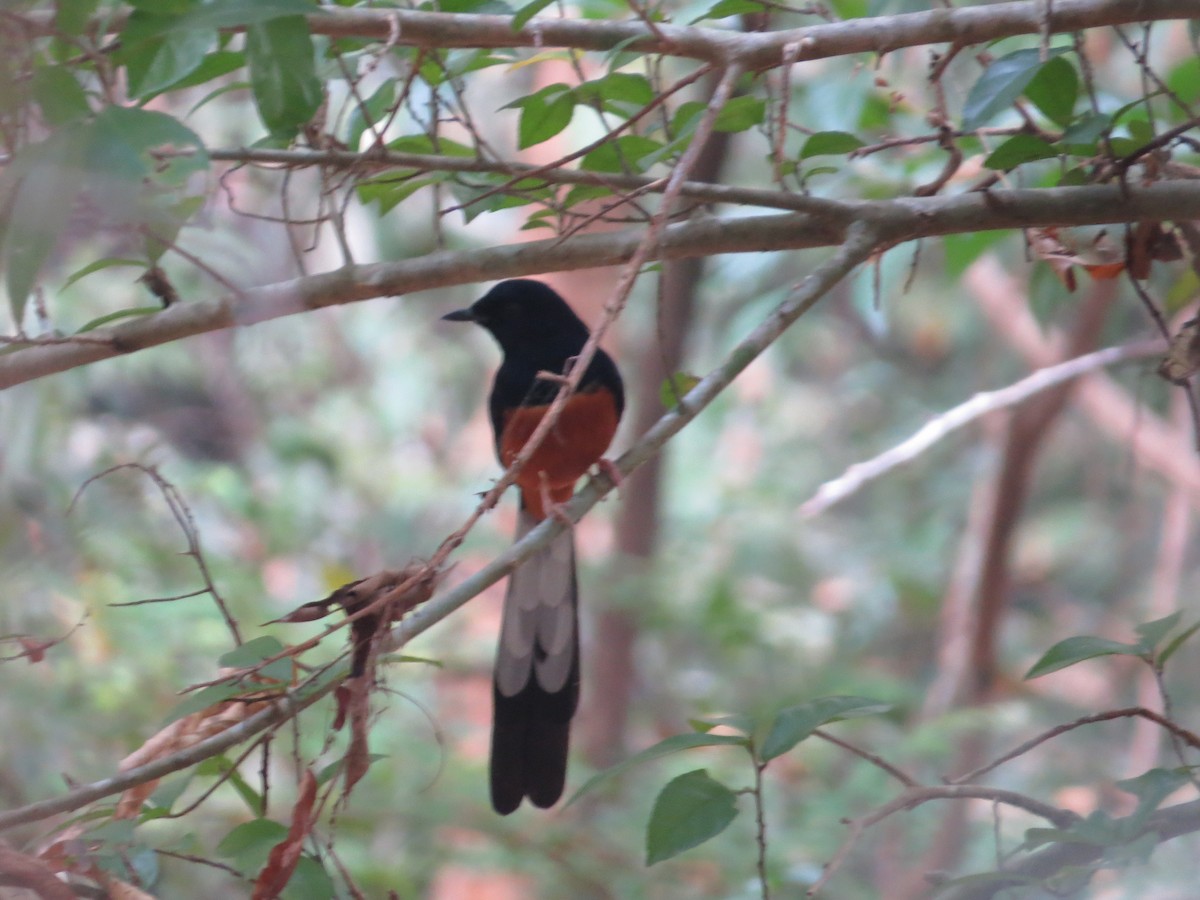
<point>582,433</point>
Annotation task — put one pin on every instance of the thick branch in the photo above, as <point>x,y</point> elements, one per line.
<point>898,220</point>
<point>879,34</point>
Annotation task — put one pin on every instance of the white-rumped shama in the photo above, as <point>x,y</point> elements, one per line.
<point>535,685</point>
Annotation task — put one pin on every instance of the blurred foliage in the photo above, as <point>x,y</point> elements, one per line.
<point>326,446</point>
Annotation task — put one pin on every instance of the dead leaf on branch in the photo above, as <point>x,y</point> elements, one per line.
<point>281,863</point>
<point>34,874</point>
<point>179,735</point>
<point>386,596</point>
<point>1183,354</point>
<point>1064,249</point>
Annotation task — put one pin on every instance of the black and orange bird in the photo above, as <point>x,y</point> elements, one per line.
<point>535,685</point>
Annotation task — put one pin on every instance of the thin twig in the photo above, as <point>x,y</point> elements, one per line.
<point>860,474</point>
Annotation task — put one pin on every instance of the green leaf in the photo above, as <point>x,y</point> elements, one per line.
<point>671,391</point>
<point>1184,79</point>
<point>740,114</point>
<point>1151,789</point>
<point>309,881</point>
<point>157,55</point>
<point>798,722</point>
<point>73,16</point>
<point>203,699</point>
<point>1087,130</point>
<point>44,180</point>
<point>963,249</point>
<point>1001,83</point>
<point>1018,149</point>
<point>1176,643</point>
<point>1077,649</point>
<point>283,74</point>
<point>673,744</point>
<point>527,12</point>
<point>423,143</point>
<point>59,95</point>
<point>1054,90</point>
<point>122,138</point>
<point>169,791</point>
<point>622,87</point>
<point>390,192</point>
<point>829,143</point>
<point>543,114</point>
<point>251,842</point>
<point>251,653</point>
<point>688,811</point>
<point>1152,633</point>
<point>723,9</point>
<point>223,767</point>
<point>371,113</point>
<point>109,318</point>
<point>625,153</point>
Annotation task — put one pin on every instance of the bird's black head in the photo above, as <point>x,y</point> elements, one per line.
<point>523,314</point>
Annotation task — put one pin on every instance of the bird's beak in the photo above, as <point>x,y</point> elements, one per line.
<point>459,315</point>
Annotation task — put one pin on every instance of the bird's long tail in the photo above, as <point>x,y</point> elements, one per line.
<point>535,686</point>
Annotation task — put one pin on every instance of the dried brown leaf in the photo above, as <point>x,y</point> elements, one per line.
<point>286,854</point>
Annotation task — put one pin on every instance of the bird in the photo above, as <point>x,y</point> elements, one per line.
<point>535,682</point>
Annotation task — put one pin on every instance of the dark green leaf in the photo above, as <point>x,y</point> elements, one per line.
<point>59,95</point>
<point>169,791</point>
<point>1018,149</point>
<point>390,192</point>
<point>72,16</point>
<point>1054,90</point>
<point>740,114</point>
<point>237,13</point>
<point>1151,789</point>
<point>623,87</point>
<point>798,722</point>
<point>829,143</point>
<point>690,809</point>
<point>45,180</point>
<point>723,9</point>
<point>963,249</point>
<point>122,138</point>
<point>527,12</point>
<point>1087,130</point>
<point>673,744</point>
<point>625,153</point>
<point>1077,649</point>
<point>213,66</point>
<point>282,74</point>
<point>371,113</point>
<point>157,55</point>
<point>251,653</point>
<point>202,699</point>
<point>1152,633</point>
<point>109,318</point>
<point>1184,79</point>
<point>250,843</point>
<point>309,881</point>
<point>544,114</point>
<point>1001,83</point>
<point>1176,643</point>
<point>423,143</point>
<point>671,391</point>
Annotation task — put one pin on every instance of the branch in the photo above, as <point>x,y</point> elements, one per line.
<point>755,50</point>
<point>860,474</point>
<point>861,243</point>
<point>899,220</point>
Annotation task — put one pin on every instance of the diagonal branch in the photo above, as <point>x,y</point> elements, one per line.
<point>859,475</point>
